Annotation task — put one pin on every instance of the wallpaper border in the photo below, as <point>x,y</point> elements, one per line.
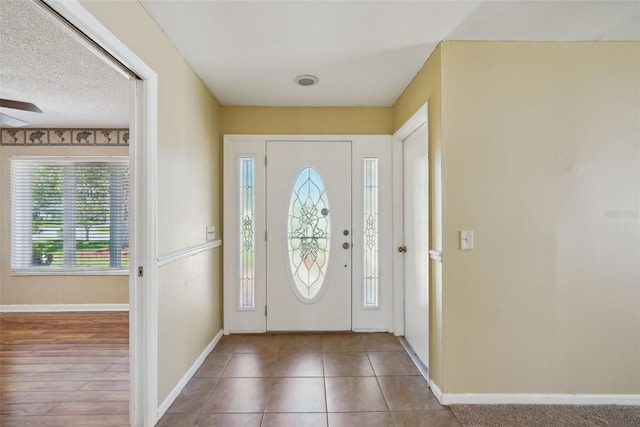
<point>64,137</point>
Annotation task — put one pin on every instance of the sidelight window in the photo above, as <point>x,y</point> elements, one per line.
<point>247,233</point>
<point>370,237</point>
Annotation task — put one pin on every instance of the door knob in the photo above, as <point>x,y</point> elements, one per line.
<point>346,245</point>
<point>402,249</point>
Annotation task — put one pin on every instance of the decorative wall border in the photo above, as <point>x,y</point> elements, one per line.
<point>65,137</point>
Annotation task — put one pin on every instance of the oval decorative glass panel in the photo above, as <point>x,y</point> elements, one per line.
<point>308,234</point>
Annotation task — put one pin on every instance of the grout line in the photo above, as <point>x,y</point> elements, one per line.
<point>324,382</point>
<point>47,413</point>
<point>383,395</point>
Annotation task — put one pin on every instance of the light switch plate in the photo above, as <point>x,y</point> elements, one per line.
<point>466,240</point>
<point>211,232</point>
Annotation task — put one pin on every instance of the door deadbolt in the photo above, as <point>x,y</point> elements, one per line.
<point>346,245</point>
<point>345,232</point>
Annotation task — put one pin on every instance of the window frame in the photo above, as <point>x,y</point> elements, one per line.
<point>66,270</point>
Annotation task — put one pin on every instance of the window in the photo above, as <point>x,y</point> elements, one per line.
<point>247,233</point>
<point>69,214</point>
<point>370,231</point>
<point>308,234</point>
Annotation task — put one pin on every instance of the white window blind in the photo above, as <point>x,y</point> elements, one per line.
<point>69,214</point>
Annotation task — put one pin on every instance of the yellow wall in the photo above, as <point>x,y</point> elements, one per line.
<point>427,87</point>
<point>541,150</point>
<point>189,167</point>
<point>306,120</point>
<point>52,289</point>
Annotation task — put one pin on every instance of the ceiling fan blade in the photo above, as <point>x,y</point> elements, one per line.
<point>11,121</point>
<point>19,105</point>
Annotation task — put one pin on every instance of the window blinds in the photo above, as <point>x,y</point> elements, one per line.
<point>69,213</point>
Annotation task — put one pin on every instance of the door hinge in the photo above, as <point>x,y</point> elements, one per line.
<point>140,271</point>
<point>265,161</point>
<point>265,235</point>
<point>265,311</point>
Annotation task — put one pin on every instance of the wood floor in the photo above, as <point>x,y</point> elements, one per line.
<point>64,369</point>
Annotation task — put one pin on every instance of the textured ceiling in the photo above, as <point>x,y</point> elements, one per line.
<point>364,52</point>
<point>41,63</point>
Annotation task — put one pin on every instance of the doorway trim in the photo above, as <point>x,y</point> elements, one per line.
<point>143,291</point>
<point>418,119</point>
<point>239,320</point>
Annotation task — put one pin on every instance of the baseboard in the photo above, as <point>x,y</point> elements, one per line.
<point>539,399</point>
<point>26,308</point>
<point>164,406</point>
<point>436,391</point>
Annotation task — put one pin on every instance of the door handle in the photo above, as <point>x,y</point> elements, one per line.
<point>402,249</point>
<point>346,245</point>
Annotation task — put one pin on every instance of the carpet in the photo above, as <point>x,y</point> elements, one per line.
<point>546,415</point>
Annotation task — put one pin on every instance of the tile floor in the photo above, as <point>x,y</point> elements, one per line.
<point>308,380</point>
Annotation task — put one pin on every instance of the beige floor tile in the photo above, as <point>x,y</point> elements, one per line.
<point>342,342</point>
<point>214,365</point>
<point>238,395</point>
<point>294,420</point>
<point>193,396</point>
<point>249,365</point>
<point>297,395</point>
<point>392,363</point>
<point>259,344</point>
<point>354,394</point>
<point>178,420</point>
<point>306,380</point>
<point>408,393</point>
<point>299,365</point>
<point>351,363</point>
<point>381,342</point>
<point>229,420</point>
<point>228,344</point>
<point>439,418</point>
<point>311,343</point>
<point>364,419</point>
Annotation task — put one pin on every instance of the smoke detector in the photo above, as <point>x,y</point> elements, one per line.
<point>306,80</point>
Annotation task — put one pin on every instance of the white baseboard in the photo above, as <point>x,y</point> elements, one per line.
<point>164,406</point>
<point>436,390</point>
<point>538,399</point>
<point>26,308</point>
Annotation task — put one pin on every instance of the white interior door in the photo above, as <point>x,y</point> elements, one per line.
<point>308,235</point>
<point>416,241</point>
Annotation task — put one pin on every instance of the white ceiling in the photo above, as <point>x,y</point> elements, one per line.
<point>249,52</point>
<point>43,64</point>
<point>364,52</point>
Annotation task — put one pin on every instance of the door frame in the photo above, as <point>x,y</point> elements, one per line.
<point>143,291</point>
<point>238,320</point>
<point>418,119</point>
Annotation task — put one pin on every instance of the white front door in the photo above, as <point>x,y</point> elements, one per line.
<point>416,241</point>
<point>308,235</point>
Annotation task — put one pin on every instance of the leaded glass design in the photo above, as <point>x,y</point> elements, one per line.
<point>247,233</point>
<point>308,234</point>
<point>371,232</point>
